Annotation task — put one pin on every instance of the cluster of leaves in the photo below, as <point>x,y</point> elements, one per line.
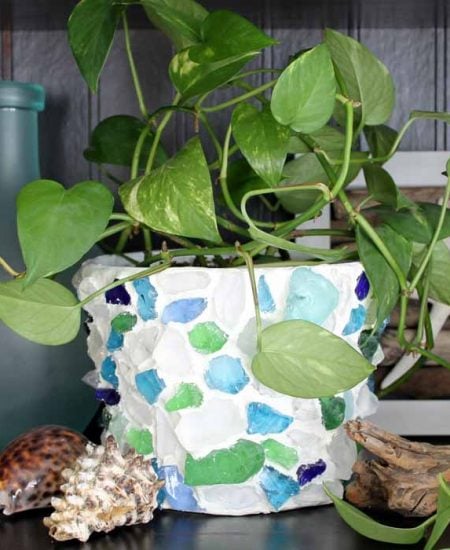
<point>319,106</point>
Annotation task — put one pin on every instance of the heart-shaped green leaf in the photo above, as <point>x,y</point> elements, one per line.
<point>380,139</point>
<point>411,223</point>
<point>56,226</point>
<point>431,212</point>
<point>262,141</point>
<point>438,270</point>
<point>302,359</point>
<point>382,278</point>
<point>176,198</point>
<point>92,25</point>
<point>368,527</point>
<point>327,138</point>
<point>180,21</point>
<point>304,96</point>
<point>383,188</point>
<point>44,312</point>
<point>114,139</point>
<point>229,41</point>
<point>307,169</point>
<point>365,77</point>
<point>241,179</point>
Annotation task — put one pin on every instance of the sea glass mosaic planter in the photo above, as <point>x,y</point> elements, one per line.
<point>173,355</point>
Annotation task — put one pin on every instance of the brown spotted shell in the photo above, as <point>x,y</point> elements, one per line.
<point>31,466</point>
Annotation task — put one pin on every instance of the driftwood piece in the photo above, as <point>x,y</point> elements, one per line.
<point>402,476</point>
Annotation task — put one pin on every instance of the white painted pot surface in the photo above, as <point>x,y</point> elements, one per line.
<point>177,350</point>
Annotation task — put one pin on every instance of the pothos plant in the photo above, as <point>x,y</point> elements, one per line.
<point>292,142</point>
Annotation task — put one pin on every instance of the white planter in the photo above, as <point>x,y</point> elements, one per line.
<point>178,349</point>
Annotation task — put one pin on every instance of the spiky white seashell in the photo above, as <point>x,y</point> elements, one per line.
<point>103,491</point>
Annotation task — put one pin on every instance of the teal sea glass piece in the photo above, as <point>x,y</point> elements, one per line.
<point>356,321</point>
<point>278,487</point>
<point>311,297</point>
<point>226,374</point>
<point>150,385</point>
<point>266,302</point>
<point>263,419</point>
<point>147,294</point>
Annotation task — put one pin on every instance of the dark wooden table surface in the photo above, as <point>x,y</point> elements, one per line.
<point>306,529</point>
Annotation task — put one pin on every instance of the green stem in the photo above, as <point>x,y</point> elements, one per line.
<point>224,185</point>
<point>239,99</point>
<point>218,163</point>
<point>347,147</point>
<point>120,216</point>
<point>157,136</point>
<point>434,240</point>
<point>251,273</point>
<point>404,300</point>
<point>122,241</point>
<point>144,273</point>
<point>117,228</point>
<point>423,291</point>
<point>230,226</point>
<point>212,134</point>
<point>404,378</point>
<point>148,248</point>
<point>269,205</point>
<point>137,152</point>
<point>376,239</point>
<point>134,74</point>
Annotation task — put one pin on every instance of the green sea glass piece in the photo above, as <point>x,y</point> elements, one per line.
<point>234,465</point>
<point>123,322</point>
<point>188,395</point>
<point>207,337</point>
<point>333,411</point>
<point>279,453</point>
<point>140,440</point>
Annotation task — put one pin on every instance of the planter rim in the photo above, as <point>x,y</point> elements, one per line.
<point>108,261</point>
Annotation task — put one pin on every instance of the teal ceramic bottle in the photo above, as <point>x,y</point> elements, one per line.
<point>38,384</point>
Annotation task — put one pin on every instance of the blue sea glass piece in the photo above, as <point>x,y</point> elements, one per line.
<point>311,297</point>
<point>150,385</point>
<point>118,295</point>
<point>362,286</point>
<point>108,395</point>
<point>183,311</point>
<point>278,487</point>
<point>108,371</point>
<point>226,374</point>
<point>307,472</point>
<point>262,419</point>
<point>179,496</point>
<point>115,341</point>
<point>356,321</point>
<point>146,302</point>
<point>266,303</point>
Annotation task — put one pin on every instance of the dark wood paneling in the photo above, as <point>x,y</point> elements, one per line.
<point>45,58</point>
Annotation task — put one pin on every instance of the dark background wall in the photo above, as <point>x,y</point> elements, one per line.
<point>410,36</point>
